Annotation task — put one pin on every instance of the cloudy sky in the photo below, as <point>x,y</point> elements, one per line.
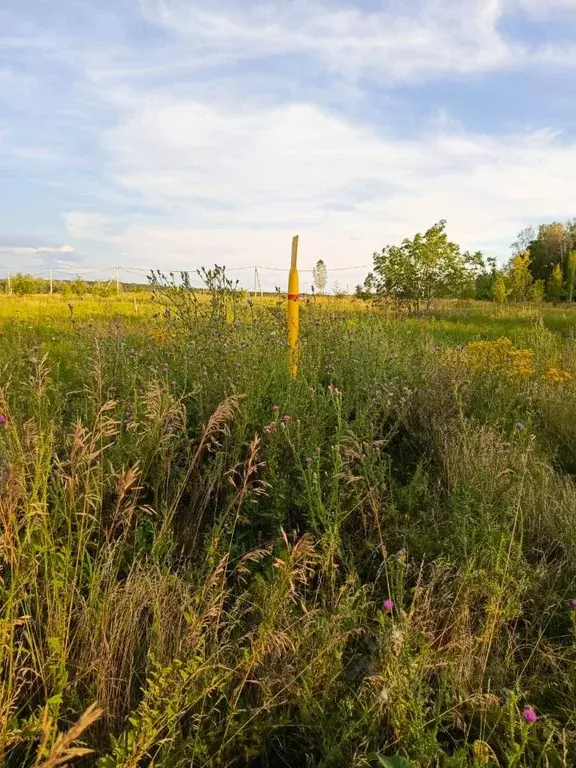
<point>180,133</point>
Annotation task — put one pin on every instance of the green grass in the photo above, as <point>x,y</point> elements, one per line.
<point>203,548</point>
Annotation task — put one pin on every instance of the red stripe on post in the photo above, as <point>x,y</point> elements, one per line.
<point>293,296</point>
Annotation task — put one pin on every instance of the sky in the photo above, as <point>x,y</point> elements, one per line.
<point>175,134</point>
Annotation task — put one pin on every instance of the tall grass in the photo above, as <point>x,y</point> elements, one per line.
<point>206,564</point>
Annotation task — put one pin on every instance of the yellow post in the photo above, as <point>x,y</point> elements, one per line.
<point>293,310</point>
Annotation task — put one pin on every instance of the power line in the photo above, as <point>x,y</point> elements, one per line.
<point>141,272</point>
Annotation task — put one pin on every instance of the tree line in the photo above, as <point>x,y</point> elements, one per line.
<point>430,266</point>
<point>25,285</point>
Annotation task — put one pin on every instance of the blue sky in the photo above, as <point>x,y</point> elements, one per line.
<point>180,133</point>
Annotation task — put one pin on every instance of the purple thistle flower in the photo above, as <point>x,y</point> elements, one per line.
<point>519,425</point>
<point>573,604</point>
<point>286,419</point>
<point>309,461</point>
<point>529,716</point>
<point>388,605</point>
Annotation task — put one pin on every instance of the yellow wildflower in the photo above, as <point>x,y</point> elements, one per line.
<point>556,375</point>
<point>500,358</point>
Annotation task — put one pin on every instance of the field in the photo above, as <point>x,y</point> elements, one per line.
<point>206,564</point>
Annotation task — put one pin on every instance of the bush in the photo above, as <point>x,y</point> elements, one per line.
<point>23,285</point>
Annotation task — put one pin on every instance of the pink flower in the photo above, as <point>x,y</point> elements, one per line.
<point>573,604</point>
<point>401,555</point>
<point>309,460</point>
<point>275,408</point>
<point>2,418</point>
<point>388,605</point>
<point>286,419</point>
<point>529,716</point>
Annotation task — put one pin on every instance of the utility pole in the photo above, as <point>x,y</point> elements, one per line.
<point>117,279</point>
<point>257,283</point>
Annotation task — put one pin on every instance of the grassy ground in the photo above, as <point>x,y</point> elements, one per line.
<point>372,565</point>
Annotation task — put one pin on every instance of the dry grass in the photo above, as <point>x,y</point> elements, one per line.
<point>205,548</point>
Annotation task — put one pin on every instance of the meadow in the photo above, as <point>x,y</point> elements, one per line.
<point>204,563</point>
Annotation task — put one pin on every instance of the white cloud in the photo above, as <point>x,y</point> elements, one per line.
<point>421,38</point>
<point>234,186</point>
<point>542,8</point>
<point>226,177</point>
<point>33,250</point>
<point>401,40</point>
<point>86,226</point>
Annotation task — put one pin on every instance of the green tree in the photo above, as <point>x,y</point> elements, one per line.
<point>537,290</point>
<point>366,290</point>
<point>519,277</point>
<point>485,280</point>
<point>499,290</point>
<point>551,247</point>
<point>424,268</point>
<point>571,274</point>
<point>555,285</point>
<point>524,240</point>
<point>78,286</point>
<point>22,285</point>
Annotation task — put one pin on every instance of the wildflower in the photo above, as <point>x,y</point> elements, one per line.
<point>309,461</point>
<point>2,418</point>
<point>384,695</point>
<point>286,418</point>
<point>556,375</point>
<point>519,425</point>
<point>275,408</point>
<point>500,358</point>
<point>401,555</point>
<point>529,716</point>
<point>388,605</point>
<point>573,604</point>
